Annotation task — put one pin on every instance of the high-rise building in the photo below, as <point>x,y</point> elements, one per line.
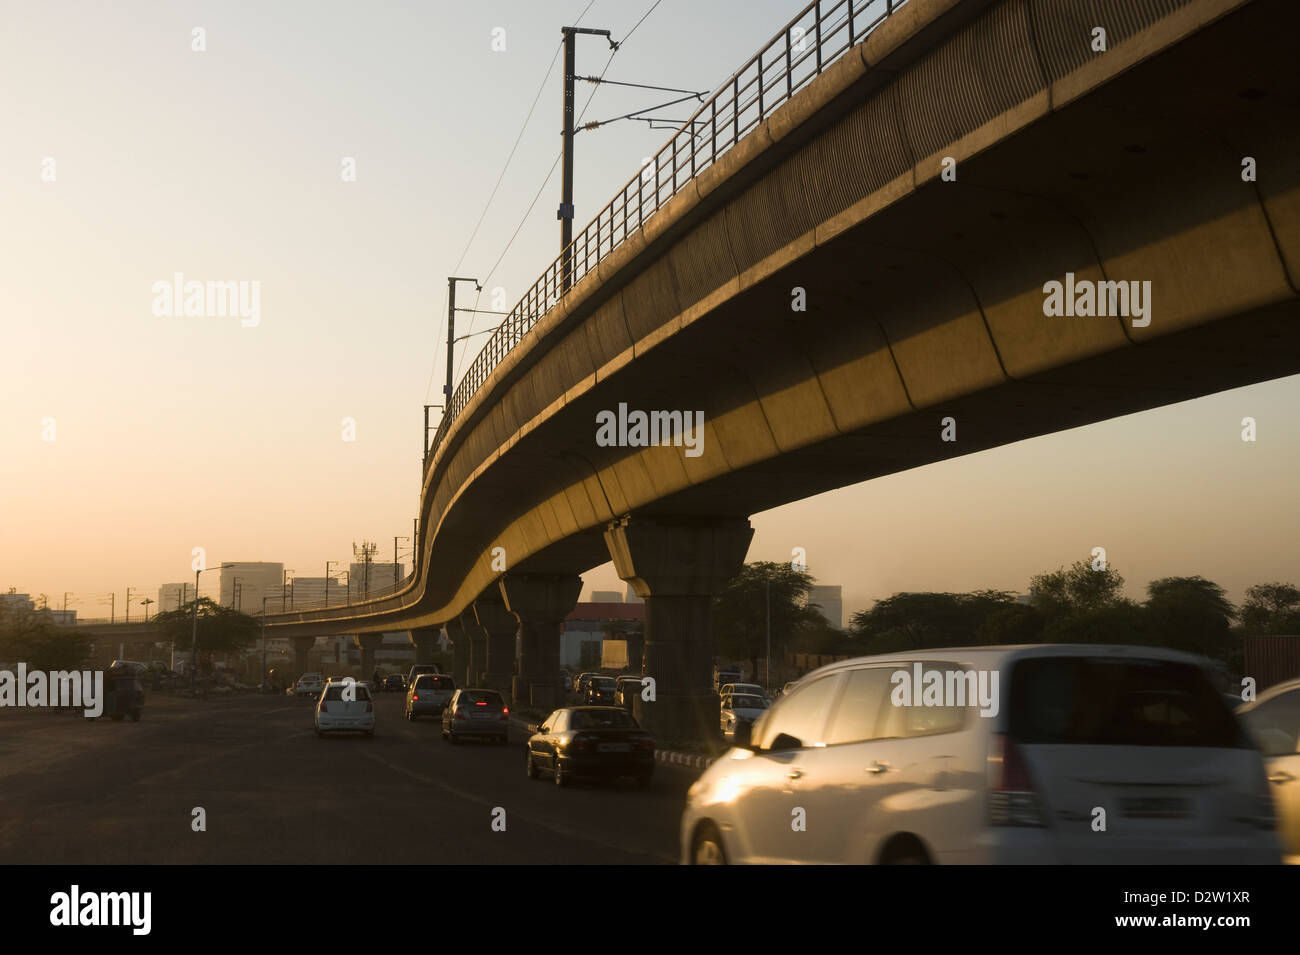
<point>245,583</point>
<point>174,596</point>
<point>831,601</point>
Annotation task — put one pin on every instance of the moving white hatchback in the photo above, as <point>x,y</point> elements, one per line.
<point>1070,754</point>
<point>345,707</point>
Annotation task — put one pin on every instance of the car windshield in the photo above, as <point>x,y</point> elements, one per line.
<point>748,703</point>
<point>600,719</point>
<point>484,697</point>
<point>335,691</point>
<point>1111,701</point>
<point>604,682</point>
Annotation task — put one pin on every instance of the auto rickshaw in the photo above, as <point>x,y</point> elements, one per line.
<point>124,694</point>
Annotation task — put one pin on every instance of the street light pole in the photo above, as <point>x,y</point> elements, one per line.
<point>128,604</point>
<point>327,580</point>
<point>451,341</point>
<point>263,677</point>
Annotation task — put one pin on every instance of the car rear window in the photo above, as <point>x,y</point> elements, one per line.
<point>335,691</point>
<point>475,697</point>
<point>600,719</point>
<point>429,682</point>
<point>1118,702</point>
<point>603,682</point>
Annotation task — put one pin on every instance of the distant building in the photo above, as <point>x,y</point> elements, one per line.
<point>584,630</point>
<point>831,602</point>
<point>174,596</point>
<point>18,601</point>
<point>606,597</point>
<point>310,592</point>
<point>631,597</point>
<point>245,583</point>
<point>63,618</point>
<point>380,581</point>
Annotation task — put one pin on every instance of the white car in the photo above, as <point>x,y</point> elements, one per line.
<point>345,708</point>
<point>1087,754</point>
<point>740,709</point>
<point>1274,722</point>
<point>751,689</point>
<point>309,684</point>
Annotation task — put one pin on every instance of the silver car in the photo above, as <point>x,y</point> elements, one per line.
<point>1273,721</point>
<point>429,695</point>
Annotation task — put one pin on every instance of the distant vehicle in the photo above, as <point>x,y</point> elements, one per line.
<point>335,714</point>
<point>133,666</point>
<point>753,689</point>
<point>123,693</point>
<point>741,709</point>
<point>335,679</point>
<point>788,687</point>
<point>600,689</point>
<point>626,689</point>
<point>583,679</point>
<point>474,712</point>
<point>1273,721</point>
<point>724,674</point>
<point>421,668</point>
<point>394,682</point>
<point>1139,731</point>
<point>566,680</point>
<point>597,741</point>
<point>309,684</point>
<point>429,696</point>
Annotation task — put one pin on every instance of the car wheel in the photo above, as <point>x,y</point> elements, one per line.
<point>707,848</point>
<point>529,766</point>
<point>561,777</point>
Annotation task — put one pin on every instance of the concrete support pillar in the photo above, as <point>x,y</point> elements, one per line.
<point>425,641</point>
<point>301,648</point>
<point>501,631</point>
<point>477,640</point>
<point>635,652</point>
<point>541,602</point>
<point>677,567</point>
<point>459,651</point>
<point>368,644</point>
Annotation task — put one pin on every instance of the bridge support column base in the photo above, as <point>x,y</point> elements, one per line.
<point>302,647</point>
<point>459,651</point>
<point>501,636</point>
<point>677,567</point>
<point>540,602</point>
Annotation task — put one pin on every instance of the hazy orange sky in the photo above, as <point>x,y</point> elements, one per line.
<point>171,433</point>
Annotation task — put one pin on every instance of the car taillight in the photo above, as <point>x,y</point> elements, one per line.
<point>1013,800</point>
<point>505,710</point>
<point>505,715</point>
<point>580,744</point>
<point>415,696</point>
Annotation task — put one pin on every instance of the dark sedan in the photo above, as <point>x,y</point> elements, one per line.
<point>593,741</point>
<point>394,682</point>
<point>600,689</point>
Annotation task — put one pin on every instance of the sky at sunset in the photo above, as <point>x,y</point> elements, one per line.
<point>175,432</point>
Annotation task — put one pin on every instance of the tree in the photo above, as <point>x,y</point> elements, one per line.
<point>1271,608</point>
<point>740,610</point>
<point>925,620</point>
<point>32,637</point>
<point>1076,589</point>
<point>1192,614</point>
<point>1011,624</point>
<point>221,629</point>
<point>1119,621</point>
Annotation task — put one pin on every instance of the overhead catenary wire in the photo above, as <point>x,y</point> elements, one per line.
<point>492,196</point>
<point>558,156</point>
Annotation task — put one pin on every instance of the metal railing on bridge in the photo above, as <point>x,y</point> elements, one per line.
<point>821,33</point>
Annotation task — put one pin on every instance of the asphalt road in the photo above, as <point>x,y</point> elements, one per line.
<point>78,791</point>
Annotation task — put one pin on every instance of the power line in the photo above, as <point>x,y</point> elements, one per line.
<point>558,156</point>
<point>523,127</point>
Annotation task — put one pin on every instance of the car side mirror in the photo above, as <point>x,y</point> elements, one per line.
<point>785,741</point>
